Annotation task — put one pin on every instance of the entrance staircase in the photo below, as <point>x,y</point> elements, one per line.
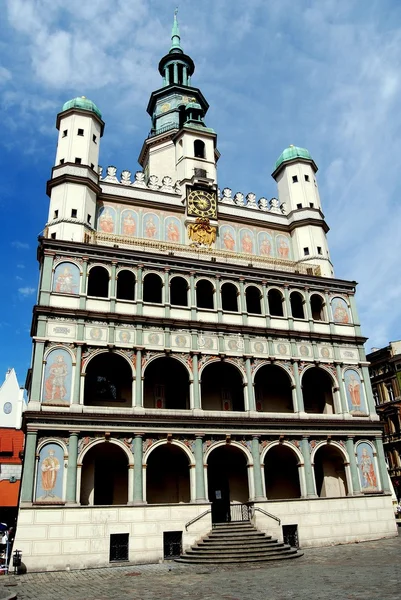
<point>237,542</point>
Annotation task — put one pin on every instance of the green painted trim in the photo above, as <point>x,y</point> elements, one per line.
<point>257,469</point>
<point>195,381</point>
<point>71,488</point>
<point>138,475</point>
<point>356,484</point>
<point>250,389</point>
<point>298,388</point>
<point>77,379</point>
<point>344,403</point>
<point>138,379</point>
<point>309,473</point>
<point>382,465</point>
<point>199,470</point>
<point>37,370</point>
<point>28,475</point>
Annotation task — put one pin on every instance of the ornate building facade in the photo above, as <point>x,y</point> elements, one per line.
<point>192,350</point>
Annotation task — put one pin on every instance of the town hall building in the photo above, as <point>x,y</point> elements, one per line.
<point>193,352</point>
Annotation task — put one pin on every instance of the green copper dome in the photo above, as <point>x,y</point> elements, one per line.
<point>290,153</point>
<point>82,103</point>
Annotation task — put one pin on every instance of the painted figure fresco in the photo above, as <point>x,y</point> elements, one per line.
<point>57,380</point>
<point>124,337</point>
<point>172,229</point>
<point>129,222</point>
<point>227,237</point>
<point>354,389</point>
<point>366,464</point>
<point>283,247</point>
<point>66,278</point>
<point>107,219</point>
<point>49,484</point>
<point>340,311</point>
<point>265,244</point>
<point>246,240</point>
<point>151,226</point>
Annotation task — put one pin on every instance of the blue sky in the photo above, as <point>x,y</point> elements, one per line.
<point>323,74</point>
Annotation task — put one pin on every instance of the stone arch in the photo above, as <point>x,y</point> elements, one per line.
<point>165,385</point>
<point>228,393</point>
<point>253,299</point>
<point>52,440</point>
<point>179,288</point>
<point>318,306</point>
<point>106,351</point>
<point>227,359</point>
<point>163,355</point>
<point>152,287</point>
<point>105,471</point>
<point>324,368</point>
<point>277,364</point>
<point>297,303</point>
<point>331,443</point>
<point>331,469</point>
<point>148,452</point>
<point>296,450</point>
<point>281,466</point>
<point>273,389</point>
<point>205,291</point>
<point>169,473</point>
<point>98,264</point>
<point>50,349</point>
<point>276,301</point>
<point>229,293</point>
<point>59,261</point>
<point>99,287</point>
<point>125,284</point>
<point>234,444</point>
<point>108,382</point>
<point>115,441</point>
<point>319,390</point>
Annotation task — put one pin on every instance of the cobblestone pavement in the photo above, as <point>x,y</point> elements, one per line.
<point>368,571</point>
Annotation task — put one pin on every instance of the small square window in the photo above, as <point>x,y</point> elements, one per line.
<point>73,213</point>
<point>89,219</point>
<point>78,161</point>
<point>306,177</point>
<point>306,251</point>
<point>65,132</point>
<point>319,250</point>
<point>61,161</point>
<point>53,236</point>
<point>294,179</point>
<point>80,132</point>
<point>311,205</point>
<point>92,166</point>
<point>55,214</point>
<point>299,205</point>
<point>94,138</point>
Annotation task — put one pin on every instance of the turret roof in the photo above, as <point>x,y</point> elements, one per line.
<point>84,104</point>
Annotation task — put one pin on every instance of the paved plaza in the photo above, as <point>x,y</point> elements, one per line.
<point>365,571</point>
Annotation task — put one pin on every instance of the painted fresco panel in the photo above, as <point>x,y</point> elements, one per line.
<point>49,479</point>
<point>129,223</point>
<point>151,226</point>
<point>265,244</point>
<point>228,238</point>
<point>107,220</point>
<point>367,468</point>
<point>355,393</point>
<point>339,309</point>
<point>125,336</point>
<point>66,278</point>
<point>172,230</point>
<point>247,241</point>
<point>57,379</point>
<point>283,247</point>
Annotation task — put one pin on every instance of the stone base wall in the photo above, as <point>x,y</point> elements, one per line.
<point>58,538</point>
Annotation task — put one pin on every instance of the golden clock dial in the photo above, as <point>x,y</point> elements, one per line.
<point>202,203</point>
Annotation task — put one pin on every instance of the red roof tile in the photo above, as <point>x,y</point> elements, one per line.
<point>9,493</point>
<point>11,444</point>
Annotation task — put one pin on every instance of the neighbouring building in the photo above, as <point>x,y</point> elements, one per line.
<point>193,350</point>
<point>11,446</point>
<point>385,377</point>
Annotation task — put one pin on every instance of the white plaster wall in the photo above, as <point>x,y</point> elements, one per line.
<point>74,145</point>
<point>303,192</point>
<point>161,161</point>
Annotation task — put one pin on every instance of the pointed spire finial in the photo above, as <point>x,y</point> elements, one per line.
<point>175,35</point>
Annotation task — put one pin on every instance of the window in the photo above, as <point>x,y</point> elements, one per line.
<point>89,218</point>
<point>229,297</point>
<point>55,216</point>
<point>294,179</point>
<point>98,282</point>
<point>316,304</point>
<point>297,305</point>
<point>65,132</point>
<point>306,251</point>
<point>92,166</point>
<point>306,177</point>
<point>53,236</point>
<point>94,138</point>
<point>80,132</point>
<point>78,161</point>
<point>73,213</point>
<point>311,205</point>
<point>199,149</point>
<point>319,250</point>
<point>61,161</point>
<point>126,285</point>
<point>118,547</point>
<point>275,299</point>
<point>299,205</point>
<point>200,172</point>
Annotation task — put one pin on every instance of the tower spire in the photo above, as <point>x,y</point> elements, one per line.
<point>175,35</point>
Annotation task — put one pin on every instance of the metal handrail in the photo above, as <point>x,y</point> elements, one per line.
<point>267,514</point>
<point>197,518</point>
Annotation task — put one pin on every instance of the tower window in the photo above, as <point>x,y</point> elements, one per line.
<point>89,218</point>
<point>311,205</point>
<point>73,213</point>
<point>200,172</point>
<point>80,132</point>
<point>65,132</point>
<point>92,166</point>
<point>199,149</point>
<point>306,177</point>
<point>319,250</point>
<point>55,216</point>
<point>53,236</point>
<point>61,161</point>
<point>299,205</point>
<point>294,179</point>
<point>94,138</point>
<point>78,161</point>
<point>306,251</point>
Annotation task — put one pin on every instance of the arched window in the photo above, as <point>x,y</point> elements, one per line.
<point>167,476</point>
<point>273,390</point>
<point>152,288</point>
<point>331,480</point>
<point>104,477</point>
<point>317,391</point>
<point>227,481</point>
<point>281,473</point>
<point>222,387</point>
<point>317,304</point>
<point>297,305</point>
<point>108,381</point>
<point>229,297</point>
<point>275,303</point>
<point>98,282</point>
<point>166,384</point>
<point>179,291</point>
<point>126,285</point>
<point>253,296</point>
<point>199,149</point>
<point>204,294</point>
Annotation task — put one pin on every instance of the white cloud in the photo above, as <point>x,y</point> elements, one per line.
<point>20,266</point>
<point>26,291</point>
<point>20,245</point>
<point>18,278</point>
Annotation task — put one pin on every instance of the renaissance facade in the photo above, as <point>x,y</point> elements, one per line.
<point>192,351</point>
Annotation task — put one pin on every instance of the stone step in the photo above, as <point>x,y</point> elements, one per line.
<point>239,536</point>
<point>209,544</point>
<point>237,551</point>
<point>219,560</point>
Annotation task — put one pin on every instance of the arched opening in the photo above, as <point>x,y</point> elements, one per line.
<point>98,282</point>
<point>126,285</point>
<point>166,384</point>
<point>297,305</point>
<point>108,381</point>
<point>276,300</point>
<point>317,307</point>
<point>253,297</point>
<point>104,477</point>
<point>199,149</point>
<point>204,294</point>
<point>179,291</point>
<point>229,297</point>
<point>152,288</point>
<point>273,390</point>
<point>227,481</point>
<point>317,391</point>
<point>331,481</point>
<point>281,473</point>
<point>167,476</point>
<point>222,387</point>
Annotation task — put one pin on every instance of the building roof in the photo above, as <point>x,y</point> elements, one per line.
<point>9,492</point>
<point>84,104</point>
<point>291,153</point>
<point>11,444</point>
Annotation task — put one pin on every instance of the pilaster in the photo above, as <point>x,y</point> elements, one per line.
<point>138,475</point>
<point>257,469</point>
<point>309,474</point>
<point>356,484</point>
<point>71,489</point>
<point>199,469</point>
<point>28,475</point>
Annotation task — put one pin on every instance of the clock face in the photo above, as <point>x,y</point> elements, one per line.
<point>202,203</point>
<point>7,408</point>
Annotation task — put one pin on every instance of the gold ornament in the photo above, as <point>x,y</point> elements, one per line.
<point>201,232</point>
